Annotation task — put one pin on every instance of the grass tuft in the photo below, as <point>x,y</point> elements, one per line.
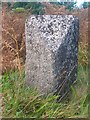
<point>22,101</point>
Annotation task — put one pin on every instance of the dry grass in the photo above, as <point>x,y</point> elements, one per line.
<point>15,49</point>
<point>25,102</point>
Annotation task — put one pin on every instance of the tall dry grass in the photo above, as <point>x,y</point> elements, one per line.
<point>22,101</point>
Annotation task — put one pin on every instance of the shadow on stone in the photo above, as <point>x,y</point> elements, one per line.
<point>52,53</point>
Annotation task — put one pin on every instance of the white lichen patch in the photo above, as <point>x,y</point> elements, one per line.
<point>51,51</point>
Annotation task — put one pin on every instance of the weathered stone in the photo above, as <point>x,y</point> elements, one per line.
<point>51,52</point>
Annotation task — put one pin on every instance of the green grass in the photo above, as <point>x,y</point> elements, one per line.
<point>22,101</point>
<point>19,10</point>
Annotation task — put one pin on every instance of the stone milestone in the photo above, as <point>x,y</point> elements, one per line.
<point>51,52</point>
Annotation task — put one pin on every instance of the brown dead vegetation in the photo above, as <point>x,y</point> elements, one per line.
<point>13,25</point>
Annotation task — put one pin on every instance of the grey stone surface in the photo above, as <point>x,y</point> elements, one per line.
<point>51,52</point>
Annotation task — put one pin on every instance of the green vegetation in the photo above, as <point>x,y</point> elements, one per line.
<point>38,8</point>
<point>83,54</point>
<point>19,4</point>
<point>9,4</point>
<point>69,5</point>
<point>22,101</point>
<point>86,5</point>
<point>35,7</point>
<point>19,9</point>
